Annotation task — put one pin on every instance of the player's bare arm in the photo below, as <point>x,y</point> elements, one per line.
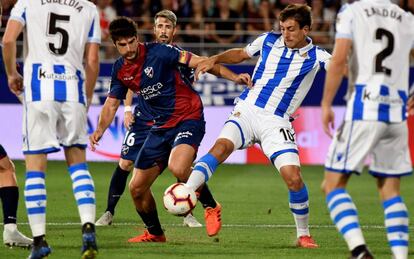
<point>231,56</point>
<point>128,116</point>
<point>105,119</point>
<point>15,80</point>
<point>91,69</point>
<point>334,76</point>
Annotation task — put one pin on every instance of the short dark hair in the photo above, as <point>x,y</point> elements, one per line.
<point>122,27</point>
<point>298,12</point>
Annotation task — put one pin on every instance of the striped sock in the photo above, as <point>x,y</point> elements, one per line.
<point>299,205</point>
<point>396,223</point>
<point>202,171</point>
<point>84,191</point>
<point>35,199</point>
<point>344,214</point>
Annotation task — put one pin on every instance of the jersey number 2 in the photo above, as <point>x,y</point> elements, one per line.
<point>379,58</point>
<point>53,29</point>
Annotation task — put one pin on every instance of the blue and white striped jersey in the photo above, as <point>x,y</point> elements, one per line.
<point>56,33</point>
<point>282,76</point>
<point>382,36</point>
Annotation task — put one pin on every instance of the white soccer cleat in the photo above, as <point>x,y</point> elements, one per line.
<point>15,238</point>
<point>105,219</point>
<point>191,221</point>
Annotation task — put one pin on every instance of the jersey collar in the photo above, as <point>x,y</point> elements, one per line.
<point>281,44</point>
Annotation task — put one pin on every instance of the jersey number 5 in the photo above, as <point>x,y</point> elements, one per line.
<point>379,58</point>
<point>54,29</point>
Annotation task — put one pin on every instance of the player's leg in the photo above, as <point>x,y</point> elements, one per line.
<point>391,160</point>
<point>40,138</point>
<point>352,142</point>
<point>116,189</point>
<point>9,196</point>
<point>140,189</point>
<point>72,130</point>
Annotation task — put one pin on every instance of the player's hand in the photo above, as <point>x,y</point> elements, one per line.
<point>244,79</point>
<point>203,67</point>
<point>94,139</point>
<point>15,81</point>
<point>410,106</point>
<point>328,119</point>
<point>128,119</point>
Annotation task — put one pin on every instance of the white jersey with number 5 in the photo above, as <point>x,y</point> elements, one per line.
<point>57,32</point>
<point>381,33</point>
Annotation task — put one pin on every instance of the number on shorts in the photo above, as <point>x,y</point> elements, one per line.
<point>287,134</point>
<point>129,139</point>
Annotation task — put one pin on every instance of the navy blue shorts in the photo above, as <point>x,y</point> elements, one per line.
<point>160,142</point>
<point>135,138</point>
<point>3,153</point>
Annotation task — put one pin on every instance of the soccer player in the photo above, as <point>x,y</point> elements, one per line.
<point>57,90</point>
<point>287,65</point>
<point>9,196</point>
<point>380,35</point>
<point>139,126</point>
<point>150,70</point>
<point>9,192</point>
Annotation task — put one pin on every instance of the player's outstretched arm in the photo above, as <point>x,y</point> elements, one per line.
<point>333,80</point>
<point>15,80</point>
<point>105,118</point>
<point>224,72</point>
<point>232,56</point>
<point>91,69</point>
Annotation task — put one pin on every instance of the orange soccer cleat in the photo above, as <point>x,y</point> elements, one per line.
<point>147,237</point>
<point>212,216</point>
<point>306,242</point>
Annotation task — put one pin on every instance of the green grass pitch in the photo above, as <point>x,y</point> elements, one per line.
<point>257,222</point>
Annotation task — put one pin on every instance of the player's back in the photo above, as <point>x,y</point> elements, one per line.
<point>382,38</point>
<point>56,33</point>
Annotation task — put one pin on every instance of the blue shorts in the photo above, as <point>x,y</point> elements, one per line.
<point>3,153</point>
<point>135,138</point>
<point>160,142</point>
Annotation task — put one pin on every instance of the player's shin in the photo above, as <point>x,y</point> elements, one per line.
<point>35,199</point>
<point>202,171</point>
<point>344,215</point>
<point>299,205</point>
<point>84,192</point>
<point>396,223</point>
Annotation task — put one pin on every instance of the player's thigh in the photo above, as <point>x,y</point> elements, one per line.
<point>5,162</point>
<point>391,155</point>
<point>238,127</point>
<point>155,151</point>
<point>185,142</point>
<point>352,142</point>
<point>72,125</point>
<point>39,127</point>
<point>277,138</point>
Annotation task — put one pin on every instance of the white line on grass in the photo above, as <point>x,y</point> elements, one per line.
<point>224,225</point>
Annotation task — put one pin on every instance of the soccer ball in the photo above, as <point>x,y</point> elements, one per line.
<point>179,200</point>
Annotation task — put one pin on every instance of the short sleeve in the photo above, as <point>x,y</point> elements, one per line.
<point>173,55</point>
<point>324,58</point>
<point>344,22</point>
<point>254,48</point>
<point>18,12</point>
<point>94,35</point>
<point>117,89</point>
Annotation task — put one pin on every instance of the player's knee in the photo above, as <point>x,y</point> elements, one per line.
<point>292,177</point>
<point>126,165</point>
<point>180,172</point>
<point>222,149</point>
<point>137,192</point>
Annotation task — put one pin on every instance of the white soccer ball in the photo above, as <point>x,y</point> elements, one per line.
<point>179,200</point>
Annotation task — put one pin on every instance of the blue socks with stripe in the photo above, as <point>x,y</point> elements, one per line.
<point>84,192</point>
<point>299,205</point>
<point>202,171</point>
<point>396,224</point>
<point>35,199</point>
<point>345,217</point>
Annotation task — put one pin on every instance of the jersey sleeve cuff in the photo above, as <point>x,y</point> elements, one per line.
<point>19,19</point>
